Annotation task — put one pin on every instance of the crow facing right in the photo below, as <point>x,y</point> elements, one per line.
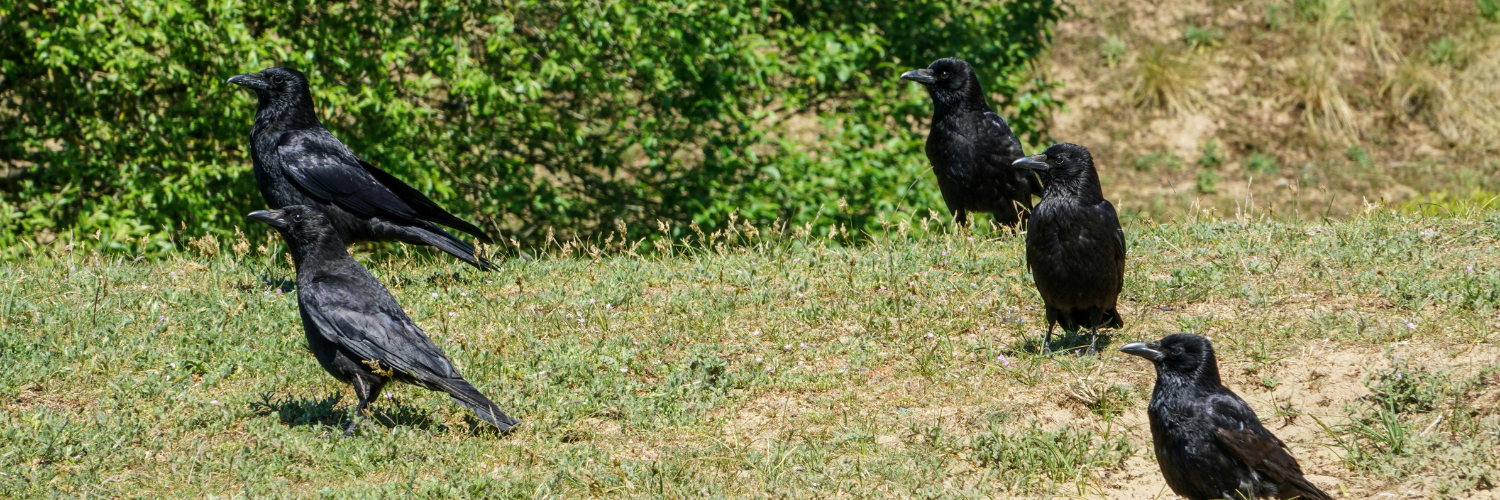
<point>298,162</point>
<point>1074,244</point>
<point>1208,442</point>
<point>971,148</point>
<point>354,326</point>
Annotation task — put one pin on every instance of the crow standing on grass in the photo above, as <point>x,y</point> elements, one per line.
<point>1074,245</point>
<point>298,162</point>
<point>1208,442</point>
<point>355,327</point>
<point>971,148</point>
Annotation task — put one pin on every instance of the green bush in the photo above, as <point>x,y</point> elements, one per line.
<point>528,117</point>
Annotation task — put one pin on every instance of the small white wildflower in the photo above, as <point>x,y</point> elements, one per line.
<point>452,314</point>
<point>624,370</point>
<point>213,402</point>
<point>787,347</point>
<point>434,295</point>
<point>804,345</point>
<point>1411,325</point>
<point>463,294</point>
<point>757,360</point>
<point>609,306</point>
<point>143,287</point>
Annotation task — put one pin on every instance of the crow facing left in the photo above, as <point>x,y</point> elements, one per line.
<point>1208,442</point>
<point>354,326</point>
<point>1074,245</point>
<point>971,148</point>
<point>298,162</point>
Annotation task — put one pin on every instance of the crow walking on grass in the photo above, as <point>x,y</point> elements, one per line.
<point>1074,245</point>
<point>298,162</point>
<point>971,148</point>
<point>355,327</point>
<point>1208,442</point>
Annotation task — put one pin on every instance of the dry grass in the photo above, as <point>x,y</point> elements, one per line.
<point>1357,100</point>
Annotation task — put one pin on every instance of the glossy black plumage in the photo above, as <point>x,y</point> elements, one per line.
<point>971,148</point>
<point>1074,244</point>
<point>355,328</point>
<point>1208,442</point>
<point>298,162</point>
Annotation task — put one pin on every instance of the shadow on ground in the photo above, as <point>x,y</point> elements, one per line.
<point>328,412</point>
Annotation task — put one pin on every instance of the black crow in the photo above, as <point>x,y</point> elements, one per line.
<point>355,327</point>
<point>298,162</point>
<point>971,148</point>
<point>1074,245</point>
<point>1208,442</point>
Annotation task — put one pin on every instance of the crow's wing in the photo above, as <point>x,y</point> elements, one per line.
<point>1240,432</point>
<point>1007,148</point>
<point>375,328</point>
<point>321,165</point>
<point>424,206</point>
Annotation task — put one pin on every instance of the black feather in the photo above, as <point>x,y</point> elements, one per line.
<point>1208,442</point>
<point>299,162</point>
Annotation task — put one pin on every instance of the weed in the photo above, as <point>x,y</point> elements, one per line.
<point>1031,458</point>
<point>1208,182</point>
<point>1209,155</point>
<point>1262,164</point>
<point>1166,80</point>
<point>1112,50</point>
<point>1157,160</point>
<point>1202,38</point>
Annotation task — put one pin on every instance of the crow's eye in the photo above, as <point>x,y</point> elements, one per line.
<point>943,75</point>
<point>278,79</point>
<point>297,217</point>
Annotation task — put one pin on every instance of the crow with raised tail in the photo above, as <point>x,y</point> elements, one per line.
<point>355,327</point>
<point>1074,244</point>
<point>1208,442</point>
<point>298,162</point>
<point>971,148</point>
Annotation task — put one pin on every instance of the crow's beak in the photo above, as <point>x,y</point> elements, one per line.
<point>1142,350</point>
<point>922,76</point>
<point>272,217</point>
<point>250,80</point>
<point>1033,162</point>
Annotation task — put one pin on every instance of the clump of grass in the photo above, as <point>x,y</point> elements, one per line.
<point>1209,156</point>
<point>1319,86</point>
<point>1262,164</point>
<point>1112,50</point>
<point>1207,182</point>
<point>1202,38</point>
<point>1033,459</point>
<point>1157,160</point>
<point>1166,80</point>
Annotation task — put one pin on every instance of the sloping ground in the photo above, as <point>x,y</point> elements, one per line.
<point>767,364</point>
<point>1304,107</point>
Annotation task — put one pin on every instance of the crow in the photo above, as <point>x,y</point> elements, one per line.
<point>355,327</point>
<point>971,148</point>
<point>1208,442</point>
<point>298,162</point>
<point>1074,245</point>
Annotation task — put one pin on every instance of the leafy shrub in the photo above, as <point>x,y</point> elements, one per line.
<point>117,130</point>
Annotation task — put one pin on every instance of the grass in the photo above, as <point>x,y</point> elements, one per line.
<point>765,362</point>
<point>1411,83</point>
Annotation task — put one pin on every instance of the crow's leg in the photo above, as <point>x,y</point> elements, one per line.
<point>1047,341</point>
<point>962,217</point>
<point>1096,317</point>
<point>367,389</point>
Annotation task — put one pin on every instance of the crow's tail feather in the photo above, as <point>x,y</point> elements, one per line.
<point>447,242</point>
<point>465,394</point>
